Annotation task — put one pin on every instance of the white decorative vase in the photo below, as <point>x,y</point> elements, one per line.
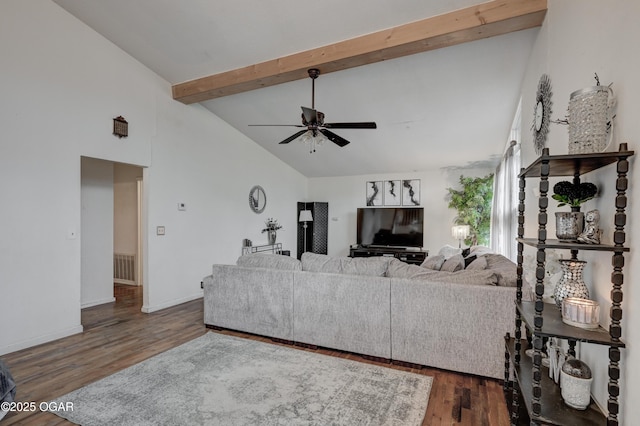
<point>271,236</point>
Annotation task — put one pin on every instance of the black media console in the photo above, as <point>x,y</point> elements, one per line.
<point>406,255</point>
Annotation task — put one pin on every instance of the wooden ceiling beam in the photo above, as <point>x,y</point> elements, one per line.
<point>461,26</point>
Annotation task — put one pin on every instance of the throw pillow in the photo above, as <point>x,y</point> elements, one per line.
<point>448,251</point>
<point>433,262</point>
<point>453,264</point>
<point>468,260</point>
<point>477,264</point>
<point>272,261</point>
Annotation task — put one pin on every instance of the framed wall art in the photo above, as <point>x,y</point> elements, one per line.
<point>374,193</point>
<point>392,193</point>
<point>411,192</point>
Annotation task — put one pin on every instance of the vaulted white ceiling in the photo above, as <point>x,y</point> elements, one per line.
<point>451,107</point>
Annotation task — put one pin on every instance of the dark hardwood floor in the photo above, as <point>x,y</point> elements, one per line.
<point>117,335</point>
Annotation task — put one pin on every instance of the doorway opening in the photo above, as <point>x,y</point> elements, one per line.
<point>127,234</point>
<point>111,240</point>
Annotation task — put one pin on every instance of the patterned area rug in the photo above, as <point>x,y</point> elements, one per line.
<point>223,380</point>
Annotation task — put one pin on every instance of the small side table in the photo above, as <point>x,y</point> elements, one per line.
<point>267,248</point>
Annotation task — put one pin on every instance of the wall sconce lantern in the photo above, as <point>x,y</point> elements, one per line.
<point>120,127</point>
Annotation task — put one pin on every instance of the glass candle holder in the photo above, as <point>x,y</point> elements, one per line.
<point>583,313</point>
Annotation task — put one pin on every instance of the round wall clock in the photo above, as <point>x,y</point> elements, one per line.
<point>542,113</point>
<point>257,199</point>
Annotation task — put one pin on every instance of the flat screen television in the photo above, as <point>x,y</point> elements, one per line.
<point>390,227</point>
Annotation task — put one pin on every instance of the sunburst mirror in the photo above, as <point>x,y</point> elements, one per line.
<point>257,199</point>
<point>542,113</point>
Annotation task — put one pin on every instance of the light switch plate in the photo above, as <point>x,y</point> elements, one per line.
<point>160,230</point>
<point>182,206</point>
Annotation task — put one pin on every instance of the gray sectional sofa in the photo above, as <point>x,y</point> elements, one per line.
<point>380,307</point>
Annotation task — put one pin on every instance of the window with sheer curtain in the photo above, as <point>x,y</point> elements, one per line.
<point>504,213</point>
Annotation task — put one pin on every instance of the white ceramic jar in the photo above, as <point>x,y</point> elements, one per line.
<point>575,380</point>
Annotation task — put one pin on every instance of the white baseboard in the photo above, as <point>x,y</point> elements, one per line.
<point>41,339</point>
<point>147,309</point>
<point>98,302</point>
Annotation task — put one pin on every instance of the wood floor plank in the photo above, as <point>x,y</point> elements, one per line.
<point>118,335</point>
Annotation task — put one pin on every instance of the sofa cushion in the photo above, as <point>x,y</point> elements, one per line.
<point>313,262</point>
<point>453,264</point>
<point>371,266</point>
<point>504,269</point>
<point>399,269</point>
<point>271,261</point>
<point>433,262</point>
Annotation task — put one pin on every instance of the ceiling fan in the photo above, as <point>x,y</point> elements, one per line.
<point>313,121</point>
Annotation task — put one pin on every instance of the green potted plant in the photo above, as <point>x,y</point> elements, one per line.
<point>473,203</point>
<point>569,225</point>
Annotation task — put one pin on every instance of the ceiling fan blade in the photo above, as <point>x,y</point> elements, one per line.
<point>338,140</point>
<point>310,115</point>
<point>292,137</point>
<point>276,125</point>
<point>362,125</point>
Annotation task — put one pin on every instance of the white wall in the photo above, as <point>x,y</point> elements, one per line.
<point>96,232</point>
<point>346,194</point>
<point>580,38</point>
<point>201,161</point>
<point>61,86</point>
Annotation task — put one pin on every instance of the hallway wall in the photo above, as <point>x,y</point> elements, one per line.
<point>96,232</point>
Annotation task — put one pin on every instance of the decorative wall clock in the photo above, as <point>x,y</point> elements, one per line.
<point>542,113</point>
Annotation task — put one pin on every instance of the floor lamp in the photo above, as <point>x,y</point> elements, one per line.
<point>305,216</point>
<point>460,232</point>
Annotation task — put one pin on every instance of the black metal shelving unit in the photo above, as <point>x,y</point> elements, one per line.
<point>542,396</point>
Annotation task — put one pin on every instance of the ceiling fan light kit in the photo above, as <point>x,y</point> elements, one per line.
<point>316,130</point>
<point>313,140</point>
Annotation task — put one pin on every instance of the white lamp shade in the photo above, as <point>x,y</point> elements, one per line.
<point>305,216</point>
<point>460,232</point>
